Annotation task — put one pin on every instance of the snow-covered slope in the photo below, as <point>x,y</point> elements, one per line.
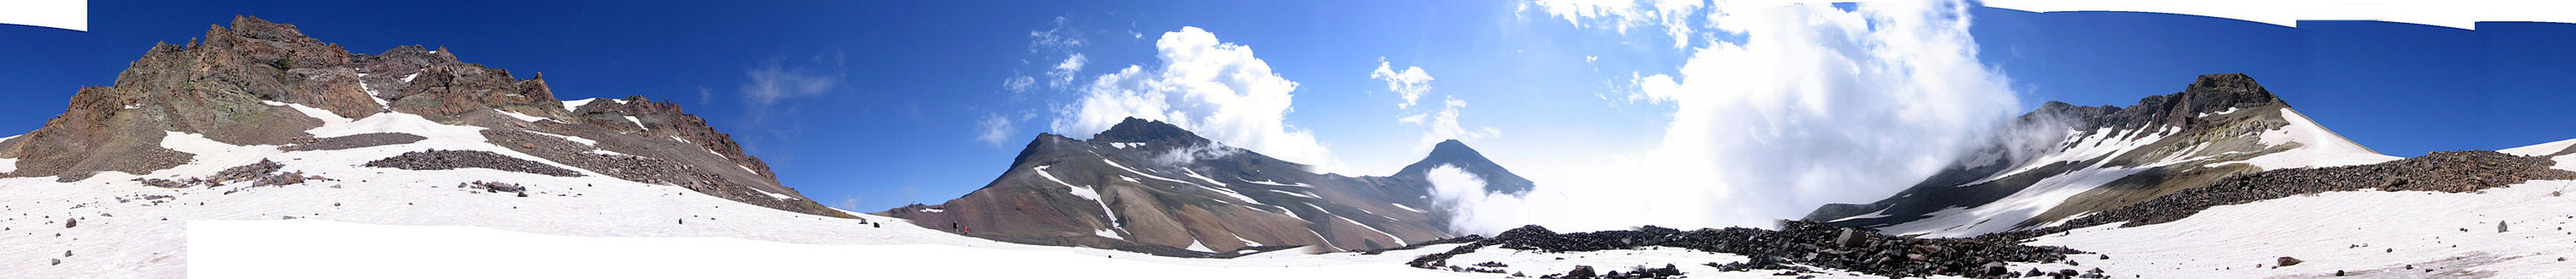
<point>2372,234</point>
<point>2063,161</point>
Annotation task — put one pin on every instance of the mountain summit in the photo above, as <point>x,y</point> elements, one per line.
<point>1153,187</point>
<point>2063,160</point>
<point>1457,154</point>
<point>296,100</point>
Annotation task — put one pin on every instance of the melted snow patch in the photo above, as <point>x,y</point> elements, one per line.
<point>520,116</point>
<point>407,78</point>
<point>583,141</point>
<point>1127,144</point>
<point>933,210</point>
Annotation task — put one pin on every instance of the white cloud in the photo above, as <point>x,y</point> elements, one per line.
<point>1216,89</point>
<point>1019,84</point>
<point>995,130</point>
<point>1620,15</point>
<point>1410,83</point>
<point>1063,73</point>
<point>775,81</point>
<point>1059,39</point>
<point>1814,105</point>
<point>1443,125</point>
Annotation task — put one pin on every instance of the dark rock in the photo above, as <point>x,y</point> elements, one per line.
<point>1851,238</point>
<point>2288,261</point>
<point>2500,226</point>
<point>69,223</point>
<point>1580,272</point>
<point>457,159</point>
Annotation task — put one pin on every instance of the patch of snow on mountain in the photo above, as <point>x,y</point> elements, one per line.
<point>574,105</point>
<point>1398,240</point>
<point>2318,147</point>
<point>1268,182</point>
<point>2003,214</point>
<point>1301,195</point>
<point>1123,167</point>
<point>521,116</point>
<point>407,78</point>
<point>1690,262</point>
<point>773,195</point>
<point>1123,145</point>
<point>1230,193</point>
<point>583,141</point>
<point>1195,245</point>
<point>2363,233</point>
<point>2532,150</point>
<point>1399,205</point>
<point>371,92</point>
<point>2223,112</point>
<point>1191,173</point>
<point>328,118</point>
<point>1081,191</point>
<point>1108,233</point>
<point>605,152</point>
<point>2079,147</point>
<point>639,123</point>
<point>933,210</point>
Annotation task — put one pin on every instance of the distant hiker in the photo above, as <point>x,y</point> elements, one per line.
<point>952,225</point>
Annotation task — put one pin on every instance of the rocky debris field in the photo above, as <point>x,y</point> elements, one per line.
<point>457,159</point>
<point>350,141</point>
<point>2454,172</point>
<point>1797,246</point>
<point>263,173</point>
<point>494,187</point>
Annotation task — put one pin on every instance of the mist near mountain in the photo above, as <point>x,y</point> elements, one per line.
<point>1784,109</point>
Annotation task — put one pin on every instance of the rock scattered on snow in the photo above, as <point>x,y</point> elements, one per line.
<point>457,159</point>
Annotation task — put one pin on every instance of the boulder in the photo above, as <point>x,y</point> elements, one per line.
<point>1851,238</point>
<point>2288,261</point>
<point>1580,272</point>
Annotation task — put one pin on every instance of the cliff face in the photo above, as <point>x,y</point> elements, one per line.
<point>252,83</point>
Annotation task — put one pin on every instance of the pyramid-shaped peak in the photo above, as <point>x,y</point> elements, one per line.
<point>1140,130</point>
<point>2218,91</point>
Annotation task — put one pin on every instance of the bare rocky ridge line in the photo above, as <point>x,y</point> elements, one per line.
<point>2450,172</point>
<point>235,84</point>
<point>2217,119</point>
<point>1152,187</point>
<point>1796,246</point>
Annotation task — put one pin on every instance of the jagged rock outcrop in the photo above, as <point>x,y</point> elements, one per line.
<point>2108,157</point>
<point>1153,187</point>
<point>243,85</point>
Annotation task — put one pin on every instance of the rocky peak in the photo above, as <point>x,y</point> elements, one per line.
<point>1457,154</point>
<point>1140,130</point>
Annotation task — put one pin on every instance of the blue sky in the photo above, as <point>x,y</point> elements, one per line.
<point>896,97</point>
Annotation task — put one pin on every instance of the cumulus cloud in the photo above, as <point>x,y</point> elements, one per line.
<point>1812,105</point>
<point>1219,90</point>
<point>1410,83</point>
<point>995,130</point>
